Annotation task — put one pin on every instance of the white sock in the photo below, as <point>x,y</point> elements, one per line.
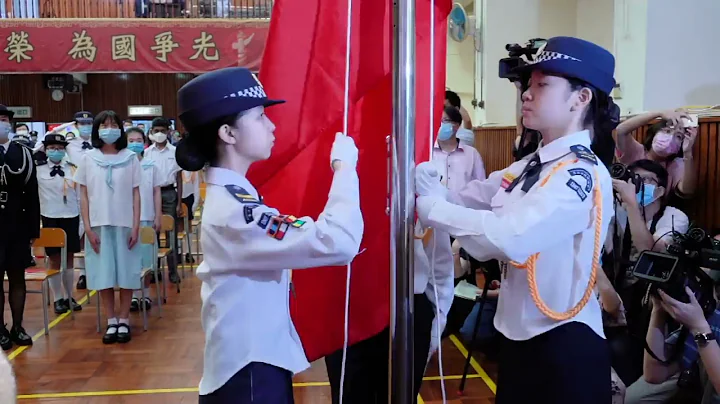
<point>124,321</point>
<point>122,328</point>
<point>137,294</point>
<point>112,321</point>
<point>147,293</point>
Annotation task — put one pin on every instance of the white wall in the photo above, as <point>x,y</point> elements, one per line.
<point>630,31</point>
<point>682,58</point>
<point>594,22</point>
<point>460,71</point>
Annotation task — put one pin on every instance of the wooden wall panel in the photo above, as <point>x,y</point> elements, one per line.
<point>495,147</point>
<point>103,91</point>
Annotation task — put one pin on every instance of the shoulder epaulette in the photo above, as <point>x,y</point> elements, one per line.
<point>583,153</point>
<point>240,194</point>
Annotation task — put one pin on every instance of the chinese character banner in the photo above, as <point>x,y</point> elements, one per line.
<point>124,45</point>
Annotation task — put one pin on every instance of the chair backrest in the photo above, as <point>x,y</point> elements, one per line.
<point>184,210</point>
<point>167,223</point>
<point>51,237</point>
<point>203,191</point>
<point>147,235</point>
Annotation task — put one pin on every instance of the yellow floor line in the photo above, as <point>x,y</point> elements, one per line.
<point>186,390</point>
<point>481,372</point>
<point>420,400</point>
<point>52,324</point>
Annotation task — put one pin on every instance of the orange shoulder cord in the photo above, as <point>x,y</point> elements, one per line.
<point>530,264</point>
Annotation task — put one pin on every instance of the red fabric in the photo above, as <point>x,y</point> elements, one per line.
<point>304,63</point>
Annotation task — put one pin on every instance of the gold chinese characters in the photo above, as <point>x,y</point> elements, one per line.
<point>18,47</point>
<point>163,45</point>
<point>123,47</point>
<point>83,47</point>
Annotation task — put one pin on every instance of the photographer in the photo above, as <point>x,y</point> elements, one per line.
<point>659,383</point>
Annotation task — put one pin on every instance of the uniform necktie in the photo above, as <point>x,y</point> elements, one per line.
<point>86,146</point>
<point>57,170</point>
<point>530,174</point>
<point>2,156</point>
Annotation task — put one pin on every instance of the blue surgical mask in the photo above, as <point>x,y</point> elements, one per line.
<point>136,147</point>
<point>55,156</point>
<point>648,196</point>
<point>4,131</point>
<point>109,135</point>
<point>85,131</point>
<point>446,131</point>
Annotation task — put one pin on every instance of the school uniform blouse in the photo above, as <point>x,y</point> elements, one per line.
<point>529,215</point>
<point>150,179</point>
<point>110,179</point>
<point>248,248</point>
<point>76,148</point>
<point>58,198</point>
<point>165,161</point>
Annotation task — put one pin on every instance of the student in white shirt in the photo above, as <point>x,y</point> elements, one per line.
<point>59,209</point>
<point>546,218</point>
<point>171,186</point>
<point>149,206</point>
<point>191,197</point>
<point>251,346</point>
<point>109,177</point>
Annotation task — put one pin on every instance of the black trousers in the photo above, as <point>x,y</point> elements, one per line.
<point>366,370</point>
<point>256,383</point>
<point>569,364</point>
<point>13,261</point>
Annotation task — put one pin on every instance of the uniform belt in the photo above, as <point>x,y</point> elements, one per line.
<point>168,188</point>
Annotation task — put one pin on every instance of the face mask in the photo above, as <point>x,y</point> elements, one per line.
<point>136,147</point>
<point>445,132</point>
<point>647,197</point>
<point>22,132</point>
<point>85,131</point>
<point>160,137</point>
<point>56,156</point>
<point>109,135</point>
<point>665,144</point>
<point>4,131</point>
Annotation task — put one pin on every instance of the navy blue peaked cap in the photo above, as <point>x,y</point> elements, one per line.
<point>575,58</point>
<point>220,93</point>
<point>84,117</point>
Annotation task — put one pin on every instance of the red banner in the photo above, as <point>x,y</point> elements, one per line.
<point>130,45</point>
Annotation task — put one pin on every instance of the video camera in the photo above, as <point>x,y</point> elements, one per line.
<point>682,266</point>
<point>514,59</point>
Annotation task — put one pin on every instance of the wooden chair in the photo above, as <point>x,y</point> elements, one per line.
<point>53,238</point>
<point>148,237</point>
<point>167,226</point>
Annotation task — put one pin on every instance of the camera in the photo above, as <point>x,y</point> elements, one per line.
<point>681,266</point>
<point>515,57</point>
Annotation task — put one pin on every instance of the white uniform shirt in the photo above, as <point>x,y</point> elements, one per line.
<point>58,197</point>
<point>435,249</point>
<point>150,180</point>
<point>556,220</point>
<point>76,148</point>
<point>245,275</point>
<point>110,204</point>
<point>165,161</point>
<point>191,186</point>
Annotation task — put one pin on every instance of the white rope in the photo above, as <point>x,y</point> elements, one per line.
<point>346,115</point>
<point>431,134</point>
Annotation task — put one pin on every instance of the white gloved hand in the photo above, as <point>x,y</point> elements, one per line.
<point>345,151</point>
<point>427,181</point>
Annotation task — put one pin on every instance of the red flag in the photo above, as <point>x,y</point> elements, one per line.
<point>304,63</point>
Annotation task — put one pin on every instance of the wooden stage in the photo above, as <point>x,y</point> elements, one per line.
<point>164,364</point>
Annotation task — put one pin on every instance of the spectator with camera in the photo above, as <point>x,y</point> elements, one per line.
<point>669,143</point>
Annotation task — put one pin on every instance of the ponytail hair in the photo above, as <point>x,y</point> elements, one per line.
<point>603,116</point>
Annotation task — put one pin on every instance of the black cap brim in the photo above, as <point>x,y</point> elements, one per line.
<point>54,142</point>
<point>270,103</point>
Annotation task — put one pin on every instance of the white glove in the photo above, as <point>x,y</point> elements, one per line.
<point>344,149</point>
<point>427,181</point>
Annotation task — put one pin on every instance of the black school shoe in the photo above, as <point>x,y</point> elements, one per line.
<point>20,337</point>
<point>61,306</point>
<point>82,283</point>
<point>123,337</point>
<point>110,338</point>
<point>5,341</point>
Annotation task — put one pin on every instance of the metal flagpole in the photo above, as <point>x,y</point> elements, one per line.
<point>403,203</point>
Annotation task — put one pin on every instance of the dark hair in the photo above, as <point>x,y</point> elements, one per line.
<point>603,115</point>
<point>452,98</point>
<point>200,146</point>
<point>162,122</point>
<point>453,114</point>
<point>653,167</point>
<point>128,121</point>
<point>135,129</point>
<point>652,131</point>
<point>100,119</point>
<point>18,125</point>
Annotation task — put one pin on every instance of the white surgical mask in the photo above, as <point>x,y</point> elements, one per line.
<point>22,132</point>
<point>160,137</point>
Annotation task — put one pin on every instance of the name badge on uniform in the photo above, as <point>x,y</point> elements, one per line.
<point>507,179</point>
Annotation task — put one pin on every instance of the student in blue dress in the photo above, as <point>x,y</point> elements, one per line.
<point>109,176</point>
<point>251,346</point>
<point>150,208</point>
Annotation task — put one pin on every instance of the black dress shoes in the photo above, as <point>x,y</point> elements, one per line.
<point>20,337</point>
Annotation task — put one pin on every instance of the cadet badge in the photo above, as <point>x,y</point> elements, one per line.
<point>507,179</point>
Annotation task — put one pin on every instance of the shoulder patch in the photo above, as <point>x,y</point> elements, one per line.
<point>585,174</point>
<point>248,213</point>
<point>577,188</point>
<point>241,194</point>
<point>583,153</point>
<point>264,220</point>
